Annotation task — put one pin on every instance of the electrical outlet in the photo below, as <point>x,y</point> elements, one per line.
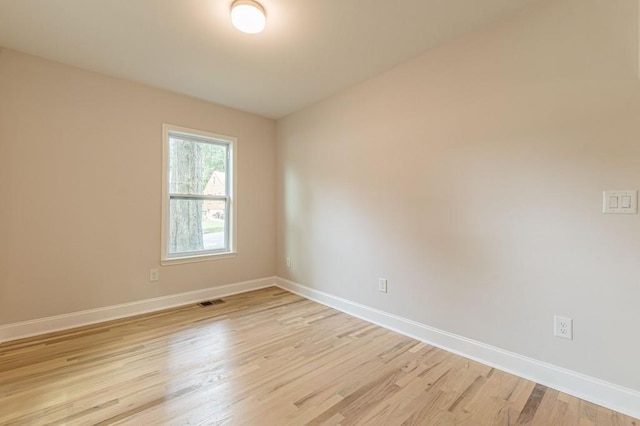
<point>563,327</point>
<point>382,285</point>
<point>154,275</point>
<point>288,262</point>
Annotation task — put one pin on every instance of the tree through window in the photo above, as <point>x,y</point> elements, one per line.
<point>199,193</point>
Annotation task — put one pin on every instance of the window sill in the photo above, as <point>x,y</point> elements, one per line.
<point>200,258</point>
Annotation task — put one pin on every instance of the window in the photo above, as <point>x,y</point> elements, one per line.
<point>198,195</point>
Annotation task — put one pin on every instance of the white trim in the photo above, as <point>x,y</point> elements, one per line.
<point>51,324</point>
<point>198,258</point>
<point>615,397</point>
<point>231,183</point>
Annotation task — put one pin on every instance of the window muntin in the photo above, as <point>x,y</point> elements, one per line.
<point>198,194</point>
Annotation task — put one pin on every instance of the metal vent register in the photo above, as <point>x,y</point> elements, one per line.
<point>210,303</point>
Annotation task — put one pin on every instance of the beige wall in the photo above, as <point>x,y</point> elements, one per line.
<point>80,189</point>
<point>471,178</point>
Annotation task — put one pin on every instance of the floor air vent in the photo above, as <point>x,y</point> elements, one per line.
<point>210,303</point>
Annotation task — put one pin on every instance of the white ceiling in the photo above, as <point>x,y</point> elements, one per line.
<point>309,50</point>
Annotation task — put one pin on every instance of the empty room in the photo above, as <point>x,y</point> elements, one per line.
<point>323,212</point>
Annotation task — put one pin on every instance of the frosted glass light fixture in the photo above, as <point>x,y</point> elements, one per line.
<point>248,16</point>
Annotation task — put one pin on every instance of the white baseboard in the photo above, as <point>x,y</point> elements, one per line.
<point>39,326</point>
<point>615,397</point>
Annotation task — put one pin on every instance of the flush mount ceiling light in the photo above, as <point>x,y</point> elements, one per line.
<point>248,16</point>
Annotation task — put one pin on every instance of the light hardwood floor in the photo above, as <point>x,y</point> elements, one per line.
<point>266,357</point>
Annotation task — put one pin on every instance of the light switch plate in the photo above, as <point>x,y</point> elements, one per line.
<point>620,202</point>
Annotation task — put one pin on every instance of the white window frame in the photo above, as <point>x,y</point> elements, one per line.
<point>230,197</point>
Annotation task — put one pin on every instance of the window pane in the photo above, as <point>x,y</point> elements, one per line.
<point>196,225</point>
<point>196,167</point>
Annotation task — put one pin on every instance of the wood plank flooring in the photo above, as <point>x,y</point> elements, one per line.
<point>266,357</point>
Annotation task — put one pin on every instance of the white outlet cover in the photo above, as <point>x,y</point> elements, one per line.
<point>620,201</point>
<point>563,327</point>
<point>382,285</point>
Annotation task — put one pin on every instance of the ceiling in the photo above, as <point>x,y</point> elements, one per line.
<point>309,50</point>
